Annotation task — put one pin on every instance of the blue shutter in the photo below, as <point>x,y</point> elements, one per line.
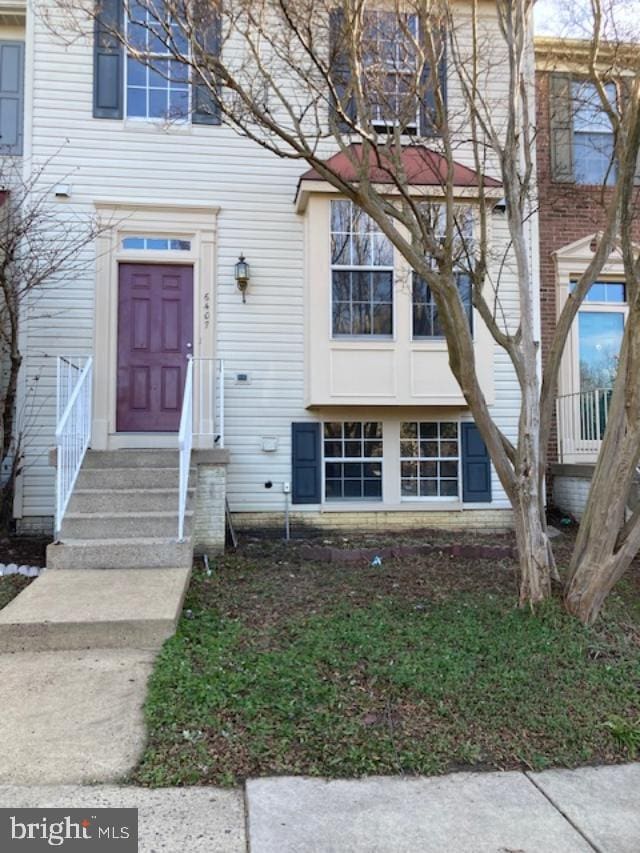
<point>340,72</point>
<point>11,96</point>
<point>306,463</point>
<point>108,60</point>
<point>428,105</point>
<point>206,109</point>
<point>476,466</point>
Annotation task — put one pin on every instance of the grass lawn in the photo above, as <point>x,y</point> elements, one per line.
<point>422,665</point>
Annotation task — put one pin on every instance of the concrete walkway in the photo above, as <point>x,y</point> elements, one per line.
<point>559,811</point>
<point>78,648</point>
<point>72,716</point>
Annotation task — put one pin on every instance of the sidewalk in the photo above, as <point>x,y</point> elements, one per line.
<point>558,811</point>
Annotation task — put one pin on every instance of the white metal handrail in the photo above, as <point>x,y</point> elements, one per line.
<point>202,418</point>
<point>582,420</point>
<point>185,445</point>
<point>73,429</point>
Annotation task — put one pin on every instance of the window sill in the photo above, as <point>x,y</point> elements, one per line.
<point>378,506</point>
<point>582,185</point>
<point>363,339</point>
<point>143,125</point>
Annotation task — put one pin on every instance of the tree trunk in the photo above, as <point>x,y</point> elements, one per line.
<point>10,448</point>
<point>537,565</point>
<point>601,555</point>
<point>592,583</point>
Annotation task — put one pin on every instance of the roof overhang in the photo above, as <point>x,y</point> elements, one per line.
<point>463,194</point>
<point>425,173</point>
<point>13,12</point>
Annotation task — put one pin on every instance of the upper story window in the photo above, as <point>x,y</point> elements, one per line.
<point>145,80</point>
<point>592,135</point>
<point>361,273</point>
<point>581,140</point>
<point>390,69</point>
<point>158,87</point>
<point>397,82</point>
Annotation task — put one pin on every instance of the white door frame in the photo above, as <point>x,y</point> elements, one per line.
<point>117,220</point>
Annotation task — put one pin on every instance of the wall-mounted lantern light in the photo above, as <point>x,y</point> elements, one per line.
<point>242,276</point>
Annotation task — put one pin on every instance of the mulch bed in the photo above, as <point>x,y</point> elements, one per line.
<point>24,550</point>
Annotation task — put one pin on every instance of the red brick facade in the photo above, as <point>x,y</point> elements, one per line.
<point>567,212</point>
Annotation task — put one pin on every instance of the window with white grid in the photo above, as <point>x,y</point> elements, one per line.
<point>430,460</point>
<point>352,460</point>
<point>361,273</point>
<point>157,85</point>
<point>390,69</point>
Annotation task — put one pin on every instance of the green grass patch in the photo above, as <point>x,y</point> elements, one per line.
<point>281,670</point>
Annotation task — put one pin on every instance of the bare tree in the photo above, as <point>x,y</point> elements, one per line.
<point>306,78</point>
<point>605,546</point>
<point>38,250</point>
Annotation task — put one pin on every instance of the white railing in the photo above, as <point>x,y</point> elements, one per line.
<point>185,445</point>
<point>582,419</point>
<point>202,418</point>
<point>208,401</point>
<point>73,427</point>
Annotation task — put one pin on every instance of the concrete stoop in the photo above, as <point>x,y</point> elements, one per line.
<point>123,514</point>
<point>75,609</point>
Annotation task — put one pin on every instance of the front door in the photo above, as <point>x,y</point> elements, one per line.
<point>155,334</point>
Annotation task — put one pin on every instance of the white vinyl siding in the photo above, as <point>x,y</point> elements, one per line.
<point>144,162</point>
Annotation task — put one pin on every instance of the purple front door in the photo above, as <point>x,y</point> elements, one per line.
<point>155,334</point>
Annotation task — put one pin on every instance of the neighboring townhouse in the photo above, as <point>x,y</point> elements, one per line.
<point>320,381</point>
<point>576,171</point>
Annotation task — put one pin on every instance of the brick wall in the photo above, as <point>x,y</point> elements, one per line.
<point>481,520</point>
<point>567,212</point>
<point>35,525</point>
<point>209,517</point>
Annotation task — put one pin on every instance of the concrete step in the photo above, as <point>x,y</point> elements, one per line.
<point>154,553</point>
<point>143,458</point>
<point>130,478</point>
<point>126,500</point>
<point>122,525</point>
<point>132,608</point>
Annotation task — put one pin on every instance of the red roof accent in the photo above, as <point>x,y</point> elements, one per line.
<point>422,167</point>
